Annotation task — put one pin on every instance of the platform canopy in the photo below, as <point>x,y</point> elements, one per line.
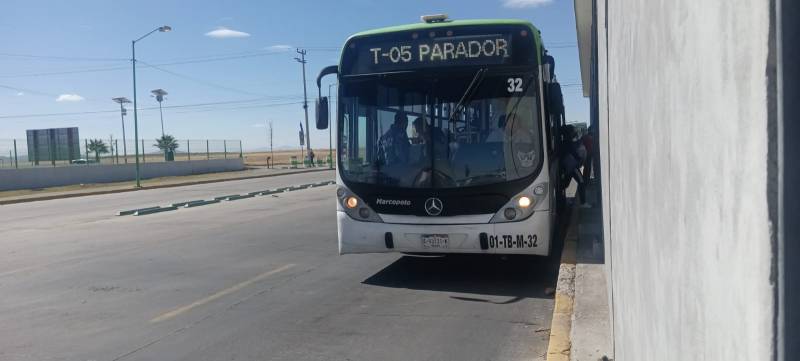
<point>583,24</point>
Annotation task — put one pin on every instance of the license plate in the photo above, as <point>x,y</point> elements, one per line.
<point>435,241</point>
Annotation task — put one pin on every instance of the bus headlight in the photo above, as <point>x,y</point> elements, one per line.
<point>355,207</point>
<point>522,205</point>
<point>510,213</point>
<point>514,211</point>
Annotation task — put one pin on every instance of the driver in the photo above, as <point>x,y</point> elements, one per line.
<point>393,146</point>
<point>431,136</point>
<point>427,133</point>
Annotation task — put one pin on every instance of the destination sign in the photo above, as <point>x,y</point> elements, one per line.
<point>450,51</point>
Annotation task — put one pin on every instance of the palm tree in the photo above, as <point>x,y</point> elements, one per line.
<point>98,147</point>
<point>167,144</point>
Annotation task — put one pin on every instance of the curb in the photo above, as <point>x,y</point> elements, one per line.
<point>560,344</point>
<point>232,197</point>
<point>111,191</point>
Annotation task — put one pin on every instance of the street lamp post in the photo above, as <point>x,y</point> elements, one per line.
<point>122,111</point>
<point>330,127</point>
<point>162,29</point>
<point>159,94</point>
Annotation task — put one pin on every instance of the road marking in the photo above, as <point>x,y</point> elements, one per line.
<point>220,294</point>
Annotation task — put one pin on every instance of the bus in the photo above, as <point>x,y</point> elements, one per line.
<point>447,136</point>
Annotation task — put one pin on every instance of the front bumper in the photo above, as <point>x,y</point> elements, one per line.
<point>531,236</point>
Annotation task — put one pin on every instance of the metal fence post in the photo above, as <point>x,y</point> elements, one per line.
<point>225,148</point>
<point>86,149</point>
<point>240,149</point>
<point>16,160</point>
<point>188,151</point>
<point>208,153</point>
<point>143,153</point>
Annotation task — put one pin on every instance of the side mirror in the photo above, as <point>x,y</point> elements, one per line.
<point>322,113</point>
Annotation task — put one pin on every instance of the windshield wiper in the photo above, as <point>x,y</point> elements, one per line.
<point>476,80</point>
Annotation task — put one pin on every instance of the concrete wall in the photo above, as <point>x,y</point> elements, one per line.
<point>683,130</point>
<point>58,176</point>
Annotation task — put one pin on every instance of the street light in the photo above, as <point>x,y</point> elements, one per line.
<point>122,111</point>
<point>162,29</point>
<point>159,94</point>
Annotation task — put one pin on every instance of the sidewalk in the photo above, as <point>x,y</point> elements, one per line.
<point>591,327</point>
<point>78,190</point>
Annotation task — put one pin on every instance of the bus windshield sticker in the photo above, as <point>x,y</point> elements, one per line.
<point>526,158</point>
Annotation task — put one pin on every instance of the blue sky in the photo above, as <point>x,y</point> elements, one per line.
<point>229,52</point>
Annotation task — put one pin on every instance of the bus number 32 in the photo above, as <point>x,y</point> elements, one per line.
<point>511,241</point>
<point>514,85</point>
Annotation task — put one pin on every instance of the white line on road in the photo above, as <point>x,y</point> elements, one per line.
<point>220,294</point>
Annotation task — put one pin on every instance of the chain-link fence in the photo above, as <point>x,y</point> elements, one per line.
<point>17,153</point>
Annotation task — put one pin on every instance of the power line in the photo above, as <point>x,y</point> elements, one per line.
<point>68,58</point>
<point>221,58</point>
<point>91,70</point>
<point>146,108</point>
<point>115,68</point>
<point>213,85</point>
<point>240,107</point>
<point>195,60</point>
<point>36,92</point>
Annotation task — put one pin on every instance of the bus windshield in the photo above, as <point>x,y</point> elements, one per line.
<point>443,131</point>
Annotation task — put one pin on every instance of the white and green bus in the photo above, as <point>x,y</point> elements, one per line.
<point>446,139</point>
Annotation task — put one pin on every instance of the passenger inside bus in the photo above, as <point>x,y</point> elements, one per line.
<point>498,134</point>
<point>431,137</point>
<point>393,146</point>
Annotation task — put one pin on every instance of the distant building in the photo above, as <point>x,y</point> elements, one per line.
<point>45,145</point>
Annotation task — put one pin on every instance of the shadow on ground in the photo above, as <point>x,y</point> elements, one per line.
<point>516,277</point>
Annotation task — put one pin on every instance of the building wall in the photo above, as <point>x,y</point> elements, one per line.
<point>42,177</point>
<point>683,132</point>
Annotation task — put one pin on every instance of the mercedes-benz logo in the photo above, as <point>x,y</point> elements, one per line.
<point>433,206</point>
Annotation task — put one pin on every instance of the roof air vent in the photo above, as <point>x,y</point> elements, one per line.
<point>436,18</point>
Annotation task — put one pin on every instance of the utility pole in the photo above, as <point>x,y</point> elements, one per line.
<point>302,60</point>
<point>271,154</point>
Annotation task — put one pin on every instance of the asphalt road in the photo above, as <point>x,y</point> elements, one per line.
<point>252,279</point>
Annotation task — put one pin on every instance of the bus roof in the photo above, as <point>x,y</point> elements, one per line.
<point>449,23</point>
